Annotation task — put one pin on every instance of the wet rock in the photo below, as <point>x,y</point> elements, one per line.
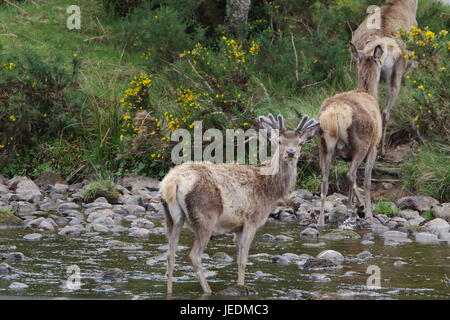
<point>13,256</point>
<point>294,294</point>
<point>5,268</point>
<point>442,211</point>
<point>9,221</point>
<point>140,232</point>
<point>382,218</point>
<point>281,260</point>
<point>104,287</point>
<point>222,257</point>
<point>437,226</point>
<point>367,242</point>
<point>396,235</point>
<point>339,214</point>
<point>68,206</point>
<point>142,223</point>
<point>320,277</point>
<point>319,264</point>
<point>364,255</point>
<point>337,234</point>
<point>399,222</point>
<point>331,255</point>
<point>424,237</point>
<point>238,291</point>
<point>261,274</point>
<point>102,213</point>
<point>411,230</point>
<point>368,236</point>
<point>350,274</point>
<point>27,190</point>
<point>33,236</point>
<point>130,218</point>
<point>408,214</point>
<point>419,203</point>
<point>134,210</point>
<point>99,227</point>
<point>328,205</point>
<point>309,233</point>
<point>70,230</point>
<point>267,237</point>
<point>46,226</point>
<point>113,275</point>
<point>61,188</point>
<point>282,238</point>
<point>399,263</point>
<point>18,286</point>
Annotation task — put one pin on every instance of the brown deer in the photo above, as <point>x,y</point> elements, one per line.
<point>394,15</point>
<point>226,198</point>
<point>350,126</point>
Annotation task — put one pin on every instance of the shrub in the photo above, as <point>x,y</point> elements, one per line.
<point>34,100</point>
<point>427,172</point>
<point>100,188</point>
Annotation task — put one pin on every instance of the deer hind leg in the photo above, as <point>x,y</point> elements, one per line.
<point>351,175</point>
<point>202,236</point>
<point>370,161</point>
<point>173,236</point>
<point>393,82</point>
<point>327,148</point>
<point>243,241</point>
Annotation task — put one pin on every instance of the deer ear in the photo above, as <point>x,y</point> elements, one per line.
<point>310,132</point>
<point>378,53</point>
<point>357,54</point>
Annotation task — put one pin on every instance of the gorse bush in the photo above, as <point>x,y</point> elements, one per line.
<point>34,102</point>
<point>430,106</point>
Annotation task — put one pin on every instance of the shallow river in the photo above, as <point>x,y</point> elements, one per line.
<point>45,267</point>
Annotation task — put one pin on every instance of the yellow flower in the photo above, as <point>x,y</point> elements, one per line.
<point>443,32</point>
<point>429,35</point>
<point>442,68</point>
<point>421,87</point>
<point>12,118</point>
<point>2,146</point>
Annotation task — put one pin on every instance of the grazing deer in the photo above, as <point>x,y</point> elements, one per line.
<point>350,126</point>
<point>230,197</point>
<point>394,14</point>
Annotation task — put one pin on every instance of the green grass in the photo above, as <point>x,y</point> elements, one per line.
<point>100,188</point>
<point>44,28</point>
<point>387,208</point>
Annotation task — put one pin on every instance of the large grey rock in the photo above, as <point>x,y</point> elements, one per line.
<point>222,257</point>
<point>364,255</point>
<point>27,190</point>
<point>102,213</point>
<point>408,214</point>
<point>442,211</point>
<point>319,264</point>
<point>425,237</point>
<point>113,275</point>
<point>68,206</point>
<point>309,233</point>
<point>135,210</point>
<point>331,255</point>
<point>437,226</point>
<point>420,203</point>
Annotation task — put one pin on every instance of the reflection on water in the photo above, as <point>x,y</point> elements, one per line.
<point>44,268</point>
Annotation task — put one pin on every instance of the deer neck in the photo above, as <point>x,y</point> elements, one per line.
<point>280,177</point>
<point>370,85</point>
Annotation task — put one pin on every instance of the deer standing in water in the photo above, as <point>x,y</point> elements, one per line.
<point>230,197</point>
<point>350,126</point>
<point>394,15</point>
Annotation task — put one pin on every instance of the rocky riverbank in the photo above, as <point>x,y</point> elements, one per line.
<point>49,208</point>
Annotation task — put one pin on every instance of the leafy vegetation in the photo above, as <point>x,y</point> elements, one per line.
<point>386,207</point>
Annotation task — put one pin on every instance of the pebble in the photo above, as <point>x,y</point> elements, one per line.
<point>222,257</point>
<point>33,236</point>
<point>331,255</point>
<point>18,286</point>
<point>320,277</point>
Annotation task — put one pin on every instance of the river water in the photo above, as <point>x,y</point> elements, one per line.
<point>44,269</point>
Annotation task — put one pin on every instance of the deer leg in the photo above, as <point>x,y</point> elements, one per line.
<point>393,81</point>
<point>351,176</point>
<point>357,194</point>
<point>326,157</point>
<point>173,235</point>
<point>201,240</point>
<point>243,241</point>
<point>370,161</point>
